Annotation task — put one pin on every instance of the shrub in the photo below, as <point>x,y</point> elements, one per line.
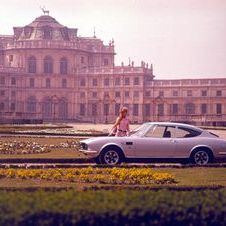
<point>123,207</point>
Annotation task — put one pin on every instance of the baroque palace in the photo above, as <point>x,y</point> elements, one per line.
<point>49,73</point>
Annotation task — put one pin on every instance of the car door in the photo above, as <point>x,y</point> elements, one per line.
<point>185,140</point>
<point>158,142</point>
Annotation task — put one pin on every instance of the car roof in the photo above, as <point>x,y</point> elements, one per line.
<point>175,124</point>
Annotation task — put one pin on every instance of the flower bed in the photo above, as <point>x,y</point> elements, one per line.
<point>22,147</point>
<point>93,175</point>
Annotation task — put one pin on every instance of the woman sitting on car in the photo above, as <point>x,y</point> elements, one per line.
<point>121,126</point>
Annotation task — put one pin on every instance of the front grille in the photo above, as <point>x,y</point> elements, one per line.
<point>83,146</point>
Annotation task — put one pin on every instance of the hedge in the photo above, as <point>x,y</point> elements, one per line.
<point>108,208</point>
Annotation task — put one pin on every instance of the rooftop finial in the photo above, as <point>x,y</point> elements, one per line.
<point>94,32</point>
<point>46,12</point>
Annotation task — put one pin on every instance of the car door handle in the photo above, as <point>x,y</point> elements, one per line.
<point>173,141</point>
<point>129,143</point>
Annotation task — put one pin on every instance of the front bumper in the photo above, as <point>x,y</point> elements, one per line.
<point>91,154</point>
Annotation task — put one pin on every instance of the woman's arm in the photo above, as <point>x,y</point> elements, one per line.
<point>128,129</point>
<point>115,125</point>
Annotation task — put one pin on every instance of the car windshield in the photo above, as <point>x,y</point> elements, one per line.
<point>138,131</point>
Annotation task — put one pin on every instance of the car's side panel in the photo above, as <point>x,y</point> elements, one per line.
<point>147,147</point>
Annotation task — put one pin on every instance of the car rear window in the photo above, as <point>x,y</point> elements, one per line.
<point>183,132</point>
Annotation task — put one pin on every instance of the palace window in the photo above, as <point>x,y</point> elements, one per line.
<point>174,109</point>
<point>31,104</point>
<point>106,81</point>
<point>82,82</point>
<point>47,32</point>
<point>13,81</point>
<point>94,109</point>
<point>219,109</point>
<point>189,93</point>
<point>94,94</point>
<point>106,62</point>
<point>82,94</point>
<point>32,64</point>
<point>203,108</point>
<point>32,82</point>
<point>13,93</point>
<point>147,93</point>
<point>95,82</point>
<point>63,108</point>
<point>82,60</point>
<point>64,83</point>
<point>12,107</point>
<point>219,93</point>
<point>190,108</point>
<point>2,80</point>
<point>2,106</point>
<point>136,94</point>
<point>48,65</point>
<point>48,83</point>
<point>106,109</point>
<point>175,93</point>
<point>127,81</point>
<point>117,94</point>
<point>204,93</point>
<point>136,81</point>
<point>117,109</point>
<point>126,93</point>
<point>63,66</point>
<point>117,81</point>
<point>135,109</point>
<point>161,93</point>
<point>161,109</point>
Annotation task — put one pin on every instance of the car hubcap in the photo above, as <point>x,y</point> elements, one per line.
<point>111,157</point>
<point>201,158</point>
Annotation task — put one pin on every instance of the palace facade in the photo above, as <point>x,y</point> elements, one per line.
<point>49,73</point>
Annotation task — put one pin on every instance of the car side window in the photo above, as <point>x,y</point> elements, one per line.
<point>183,132</point>
<point>160,131</point>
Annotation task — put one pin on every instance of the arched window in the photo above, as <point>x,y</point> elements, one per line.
<point>32,64</point>
<point>31,104</point>
<point>190,108</point>
<point>48,65</point>
<point>63,109</point>
<point>47,32</point>
<point>63,66</point>
<point>64,83</point>
<point>2,106</point>
<point>48,84</point>
<point>47,107</point>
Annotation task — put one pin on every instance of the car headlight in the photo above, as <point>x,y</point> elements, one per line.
<point>83,146</point>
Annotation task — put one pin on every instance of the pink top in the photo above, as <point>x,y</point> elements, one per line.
<point>123,125</point>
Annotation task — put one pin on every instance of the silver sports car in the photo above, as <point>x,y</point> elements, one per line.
<point>157,140</point>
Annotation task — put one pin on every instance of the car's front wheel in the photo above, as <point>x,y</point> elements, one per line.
<point>111,156</point>
<point>201,157</point>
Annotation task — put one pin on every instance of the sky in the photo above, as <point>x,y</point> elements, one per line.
<point>181,38</point>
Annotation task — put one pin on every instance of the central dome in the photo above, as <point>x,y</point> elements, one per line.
<point>45,20</point>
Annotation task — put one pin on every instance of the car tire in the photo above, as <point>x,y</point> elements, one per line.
<point>111,156</point>
<point>97,160</point>
<point>201,157</point>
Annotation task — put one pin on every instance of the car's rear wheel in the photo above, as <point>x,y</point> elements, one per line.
<point>111,156</point>
<point>201,157</point>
